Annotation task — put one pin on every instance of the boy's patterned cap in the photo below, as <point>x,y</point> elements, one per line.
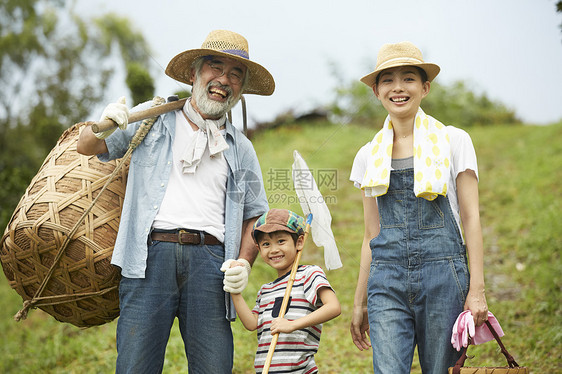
<point>279,220</point>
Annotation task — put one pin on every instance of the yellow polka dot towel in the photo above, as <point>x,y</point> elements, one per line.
<point>432,155</point>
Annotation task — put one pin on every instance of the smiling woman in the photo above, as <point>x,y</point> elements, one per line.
<point>418,178</point>
<point>401,90</point>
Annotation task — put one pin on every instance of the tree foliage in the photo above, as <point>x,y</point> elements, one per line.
<point>457,105</point>
<point>140,83</point>
<point>454,104</point>
<point>135,54</point>
<point>559,10</point>
<point>54,68</point>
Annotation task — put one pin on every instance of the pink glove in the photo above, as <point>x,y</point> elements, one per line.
<point>464,327</point>
<point>483,333</point>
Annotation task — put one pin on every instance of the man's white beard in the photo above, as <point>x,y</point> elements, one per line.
<point>208,107</point>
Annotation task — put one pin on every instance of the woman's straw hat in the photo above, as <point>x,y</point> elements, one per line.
<point>400,54</point>
<point>228,44</point>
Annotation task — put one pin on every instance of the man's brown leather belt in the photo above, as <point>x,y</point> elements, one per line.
<point>184,237</point>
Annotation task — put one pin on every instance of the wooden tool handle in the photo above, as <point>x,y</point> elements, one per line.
<point>140,115</point>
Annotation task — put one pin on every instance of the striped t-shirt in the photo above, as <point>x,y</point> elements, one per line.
<point>294,352</point>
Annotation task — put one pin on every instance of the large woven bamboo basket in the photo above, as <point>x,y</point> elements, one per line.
<point>70,278</point>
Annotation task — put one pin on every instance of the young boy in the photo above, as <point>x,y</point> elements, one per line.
<point>279,234</point>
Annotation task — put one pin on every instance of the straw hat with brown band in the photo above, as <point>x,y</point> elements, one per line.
<point>400,54</point>
<point>227,44</point>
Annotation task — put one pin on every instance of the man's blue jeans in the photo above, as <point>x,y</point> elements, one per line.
<point>181,281</point>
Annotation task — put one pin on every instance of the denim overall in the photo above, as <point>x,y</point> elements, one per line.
<point>418,280</point>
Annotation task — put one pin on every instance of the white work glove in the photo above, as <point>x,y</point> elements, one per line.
<point>118,113</point>
<point>235,278</point>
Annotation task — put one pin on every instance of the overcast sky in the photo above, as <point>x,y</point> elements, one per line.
<point>509,49</point>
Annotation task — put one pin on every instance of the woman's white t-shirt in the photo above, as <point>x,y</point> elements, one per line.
<point>463,157</point>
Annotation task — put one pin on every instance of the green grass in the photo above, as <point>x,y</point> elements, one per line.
<point>520,199</point>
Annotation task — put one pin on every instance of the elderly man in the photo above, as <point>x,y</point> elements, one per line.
<point>193,193</point>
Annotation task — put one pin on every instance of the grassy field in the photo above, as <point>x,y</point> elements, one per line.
<point>521,200</point>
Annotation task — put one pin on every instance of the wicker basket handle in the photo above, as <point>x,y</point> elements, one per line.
<point>510,360</point>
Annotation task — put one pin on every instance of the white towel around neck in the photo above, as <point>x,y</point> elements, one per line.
<point>432,154</point>
<point>207,134</point>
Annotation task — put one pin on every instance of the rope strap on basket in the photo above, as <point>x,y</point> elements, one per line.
<point>38,300</point>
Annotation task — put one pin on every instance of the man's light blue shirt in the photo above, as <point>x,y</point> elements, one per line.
<point>149,172</point>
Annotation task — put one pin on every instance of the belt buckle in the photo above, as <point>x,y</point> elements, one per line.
<point>201,238</point>
<point>179,237</point>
